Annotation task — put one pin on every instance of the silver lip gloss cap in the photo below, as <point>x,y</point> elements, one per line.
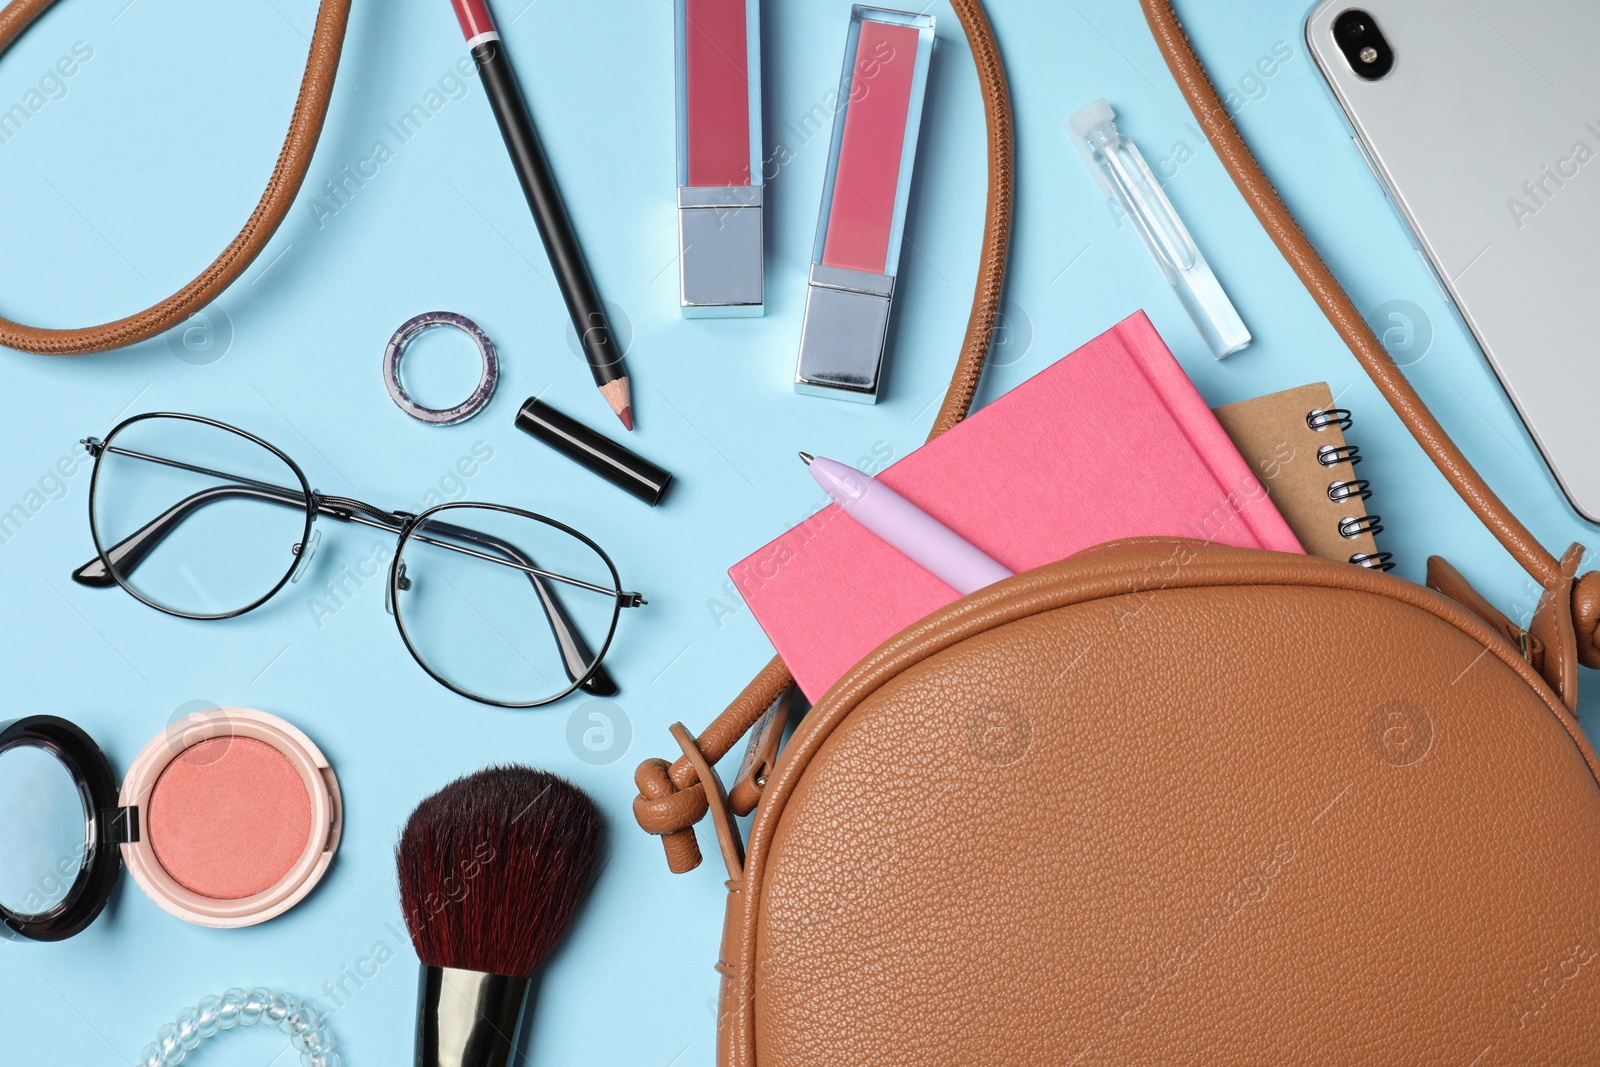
<point>721,251</point>
<point>846,329</point>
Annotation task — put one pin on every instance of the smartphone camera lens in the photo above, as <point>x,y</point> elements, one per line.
<point>1363,44</point>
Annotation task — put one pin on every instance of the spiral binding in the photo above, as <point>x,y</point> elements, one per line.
<point>307,1030</point>
<point>1333,455</point>
<point>1339,492</point>
<point>1321,419</point>
<point>1350,527</point>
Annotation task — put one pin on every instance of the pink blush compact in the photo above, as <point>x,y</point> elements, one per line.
<point>227,818</point>
<point>210,790</point>
<point>238,815</point>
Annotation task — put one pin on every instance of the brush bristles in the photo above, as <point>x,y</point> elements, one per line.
<point>493,867</point>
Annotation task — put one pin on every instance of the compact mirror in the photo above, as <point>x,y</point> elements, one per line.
<point>44,834</point>
<point>58,855</point>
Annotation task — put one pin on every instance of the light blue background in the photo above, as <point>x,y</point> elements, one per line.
<point>120,190</point>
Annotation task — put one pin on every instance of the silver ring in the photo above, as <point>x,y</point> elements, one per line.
<point>441,416</point>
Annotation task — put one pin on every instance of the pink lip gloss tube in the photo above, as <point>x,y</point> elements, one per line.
<point>864,198</point>
<point>720,186</point>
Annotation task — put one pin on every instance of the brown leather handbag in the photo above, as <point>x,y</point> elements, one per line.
<point>1167,801</point>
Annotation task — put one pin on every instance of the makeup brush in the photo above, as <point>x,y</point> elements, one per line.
<point>492,870</point>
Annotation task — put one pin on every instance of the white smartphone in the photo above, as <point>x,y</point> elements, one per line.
<point>1481,119</point>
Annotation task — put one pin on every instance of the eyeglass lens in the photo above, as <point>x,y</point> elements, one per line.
<point>514,634</point>
<point>208,522</point>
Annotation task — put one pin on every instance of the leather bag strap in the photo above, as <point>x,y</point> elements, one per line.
<point>305,126</point>
<point>1336,304</point>
<point>1569,602</point>
<point>672,797</point>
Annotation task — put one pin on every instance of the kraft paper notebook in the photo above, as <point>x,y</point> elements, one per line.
<point>1111,441</point>
<point>1295,441</point>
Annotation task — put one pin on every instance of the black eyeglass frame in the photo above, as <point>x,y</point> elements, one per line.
<point>104,570</point>
<point>553,610</point>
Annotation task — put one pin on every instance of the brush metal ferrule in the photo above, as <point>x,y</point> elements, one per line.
<point>468,1018</point>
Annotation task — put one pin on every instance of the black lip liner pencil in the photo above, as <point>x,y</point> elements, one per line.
<point>549,212</point>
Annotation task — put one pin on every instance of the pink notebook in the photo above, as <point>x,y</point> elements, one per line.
<point>1111,441</point>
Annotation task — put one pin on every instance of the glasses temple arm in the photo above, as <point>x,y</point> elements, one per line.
<point>576,656</point>
<point>127,554</point>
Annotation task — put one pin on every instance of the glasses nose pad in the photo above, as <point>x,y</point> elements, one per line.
<point>303,553</point>
<point>401,581</point>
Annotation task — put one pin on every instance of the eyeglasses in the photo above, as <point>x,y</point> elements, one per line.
<point>203,520</point>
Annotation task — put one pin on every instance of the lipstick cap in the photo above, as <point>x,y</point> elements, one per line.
<point>846,328</point>
<point>720,245</point>
<point>618,465</point>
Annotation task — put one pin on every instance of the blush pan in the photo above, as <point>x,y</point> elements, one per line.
<point>207,792</point>
<point>244,808</point>
<point>226,819</point>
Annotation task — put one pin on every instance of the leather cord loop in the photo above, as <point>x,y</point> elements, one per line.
<point>658,782</point>
<point>727,831</point>
<point>655,784</point>
<point>305,126</point>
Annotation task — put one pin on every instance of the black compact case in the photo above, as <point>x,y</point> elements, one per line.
<point>92,873</point>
